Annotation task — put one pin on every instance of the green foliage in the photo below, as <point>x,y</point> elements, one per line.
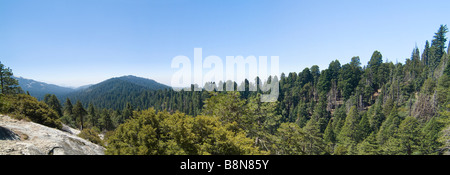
<point>430,135</point>
<point>293,140</point>
<point>381,108</point>
<point>377,118</point>
<point>53,102</point>
<point>151,133</point>
<point>91,135</point>
<point>369,146</point>
<point>444,134</point>
<point>68,107</point>
<point>79,113</point>
<point>438,46</point>
<point>229,109</point>
<point>409,136</point>
<point>26,107</point>
<point>426,53</point>
<point>8,85</point>
<point>350,132</point>
<point>373,68</point>
<point>105,122</point>
<point>389,127</point>
<point>349,77</point>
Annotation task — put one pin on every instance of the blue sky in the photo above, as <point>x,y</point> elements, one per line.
<point>78,42</point>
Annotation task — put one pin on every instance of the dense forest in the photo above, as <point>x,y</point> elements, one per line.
<point>345,109</point>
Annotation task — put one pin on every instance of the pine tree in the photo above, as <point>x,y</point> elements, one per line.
<point>68,107</point>
<point>409,135</point>
<point>430,133</point>
<point>92,115</point>
<point>329,137</point>
<point>339,120</point>
<point>321,115</point>
<point>79,113</point>
<point>315,71</point>
<point>349,135</point>
<point>53,102</point>
<point>8,85</point>
<point>364,128</point>
<point>377,118</point>
<point>314,142</point>
<point>369,146</point>
<point>372,66</point>
<point>105,121</point>
<point>302,114</point>
<point>127,113</point>
<point>389,126</point>
<point>439,41</point>
<point>415,54</point>
<point>426,53</point>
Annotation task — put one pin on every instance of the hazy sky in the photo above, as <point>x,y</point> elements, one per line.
<point>78,42</point>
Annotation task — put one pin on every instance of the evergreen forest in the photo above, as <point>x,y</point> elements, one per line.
<point>379,108</point>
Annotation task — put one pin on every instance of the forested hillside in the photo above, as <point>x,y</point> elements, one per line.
<point>39,89</point>
<point>114,93</point>
<point>379,108</point>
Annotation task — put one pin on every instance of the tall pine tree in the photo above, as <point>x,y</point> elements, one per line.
<point>426,53</point>
<point>8,85</point>
<point>349,135</point>
<point>79,113</point>
<point>438,46</point>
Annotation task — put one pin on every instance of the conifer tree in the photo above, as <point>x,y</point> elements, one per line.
<point>53,102</point>
<point>329,137</point>
<point>105,121</point>
<point>92,115</point>
<point>127,112</point>
<point>430,133</point>
<point>372,66</point>
<point>8,85</point>
<point>369,146</point>
<point>409,135</point>
<point>68,107</point>
<point>364,128</point>
<point>426,53</point>
<point>79,113</point>
<point>313,138</point>
<point>439,42</point>
<point>389,126</point>
<point>349,135</point>
<point>339,120</point>
<point>378,117</point>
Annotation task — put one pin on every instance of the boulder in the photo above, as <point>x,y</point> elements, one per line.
<point>19,137</point>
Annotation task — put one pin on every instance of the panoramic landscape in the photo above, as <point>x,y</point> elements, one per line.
<point>97,93</point>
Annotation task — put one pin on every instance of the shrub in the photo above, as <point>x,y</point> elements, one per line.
<point>91,135</point>
<point>23,106</point>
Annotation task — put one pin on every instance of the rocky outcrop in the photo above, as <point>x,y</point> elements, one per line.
<point>18,137</point>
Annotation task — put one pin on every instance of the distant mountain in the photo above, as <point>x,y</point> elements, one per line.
<point>112,93</point>
<point>39,89</point>
<point>144,82</point>
<point>115,92</point>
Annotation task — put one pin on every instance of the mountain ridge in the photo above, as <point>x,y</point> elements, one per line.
<point>115,85</point>
<point>38,89</point>
<point>114,92</point>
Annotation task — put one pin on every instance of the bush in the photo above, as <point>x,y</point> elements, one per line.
<point>151,133</point>
<point>91,135</point>
<point>23,106</point>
